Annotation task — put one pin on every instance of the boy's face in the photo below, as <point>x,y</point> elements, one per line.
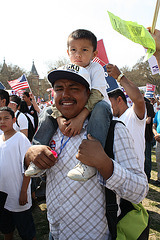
<point>80,52</point>
<point>6,121</point>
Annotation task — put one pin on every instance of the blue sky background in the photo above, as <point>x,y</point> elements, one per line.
<point>38,30</point>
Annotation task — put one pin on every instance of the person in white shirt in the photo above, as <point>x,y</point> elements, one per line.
<point>134,117</point>
<point>21,123</point>
<point>4,100</point>
<point>17,209</point>
<point>76,210</point>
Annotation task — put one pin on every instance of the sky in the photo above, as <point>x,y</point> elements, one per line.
<point>38,30</point>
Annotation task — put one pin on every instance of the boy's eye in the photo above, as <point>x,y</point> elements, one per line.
<point>73,50</point>
<point>85,50</point>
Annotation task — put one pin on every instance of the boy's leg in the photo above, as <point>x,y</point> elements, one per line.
<point>98,126</point>
<point>99,121</point>
<point>46,128</point>
<point>25,224</point>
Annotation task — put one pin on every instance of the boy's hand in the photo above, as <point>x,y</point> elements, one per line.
<point>23,198</point>
<point>74,126</point>
<point>62,124</point>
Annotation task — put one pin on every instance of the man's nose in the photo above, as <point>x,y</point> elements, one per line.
<point>66,92</point>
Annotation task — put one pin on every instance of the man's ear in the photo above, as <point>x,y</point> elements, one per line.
<point>119,99</point>
<point>14,119</point>
<point>88,92</point>
<point>3,102</point>
<point>95,53</point>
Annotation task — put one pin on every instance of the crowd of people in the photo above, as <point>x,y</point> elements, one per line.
<point>76,128</point>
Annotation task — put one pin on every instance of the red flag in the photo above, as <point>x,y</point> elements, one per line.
<point>102,56</point>
<point>20,83</point>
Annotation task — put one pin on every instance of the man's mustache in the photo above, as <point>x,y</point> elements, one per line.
<point>67,99</point>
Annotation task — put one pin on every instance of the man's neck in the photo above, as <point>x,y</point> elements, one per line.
<point>8,134</point>
<point>124,108</point>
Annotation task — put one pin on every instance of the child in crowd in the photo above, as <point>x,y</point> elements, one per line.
<point>82,45</point>
<point>17,209</point>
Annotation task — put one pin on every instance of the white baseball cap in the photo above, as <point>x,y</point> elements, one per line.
<point>70,72</point>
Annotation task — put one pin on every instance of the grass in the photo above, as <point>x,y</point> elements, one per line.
<point>151,203</point>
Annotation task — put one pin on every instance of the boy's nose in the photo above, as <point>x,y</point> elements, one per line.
<point>78,54</point>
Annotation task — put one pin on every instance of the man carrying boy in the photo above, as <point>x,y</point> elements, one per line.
<point>82,49</point>
<point>76,210</point>
<point>16,212</point>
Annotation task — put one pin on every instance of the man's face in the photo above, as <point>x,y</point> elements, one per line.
<point>115,107</point>
<point>26,99</point>
<point>80,52</point>
<point>70,97</point>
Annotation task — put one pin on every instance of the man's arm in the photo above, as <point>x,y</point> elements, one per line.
<point>154,130</point>
<point>23,194</point>
<point>131,90</point>
<point>123,175</point>
<point>24,131</point>
<point>35,105</point>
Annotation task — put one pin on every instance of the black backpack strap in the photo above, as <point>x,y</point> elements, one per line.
<point>17,118</point>
<point>111,203</point>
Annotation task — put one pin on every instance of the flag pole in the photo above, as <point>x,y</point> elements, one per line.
<point>155,16</point>
<point>30,88</point>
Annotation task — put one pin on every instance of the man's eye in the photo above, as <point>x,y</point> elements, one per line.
<point>58,89</point>
<point>76,89</point>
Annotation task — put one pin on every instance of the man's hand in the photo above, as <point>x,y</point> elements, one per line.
<point>113,70</point>
<point>156,36</point>
<point>92,154</point>
<point>23,198</point>
<point>157,137</point>
<point>41,156</point>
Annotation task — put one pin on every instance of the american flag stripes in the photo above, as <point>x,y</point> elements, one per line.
<point>20,83</point>
<point>101,56</point>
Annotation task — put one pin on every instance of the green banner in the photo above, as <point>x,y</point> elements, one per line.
<point>135,32</point>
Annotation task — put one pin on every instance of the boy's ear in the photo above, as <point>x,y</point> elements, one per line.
<point>67,52</point>
<point>95,53</point>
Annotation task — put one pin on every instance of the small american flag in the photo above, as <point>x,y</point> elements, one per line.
<point>101,57</point>
<point>96,59</point>
<point>20,83</point>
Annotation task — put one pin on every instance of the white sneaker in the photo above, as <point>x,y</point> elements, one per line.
<point>81,172</point>
<point>34,171</point>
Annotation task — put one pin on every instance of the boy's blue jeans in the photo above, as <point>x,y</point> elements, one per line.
<point>98,125</point>
<point>99,121</point>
